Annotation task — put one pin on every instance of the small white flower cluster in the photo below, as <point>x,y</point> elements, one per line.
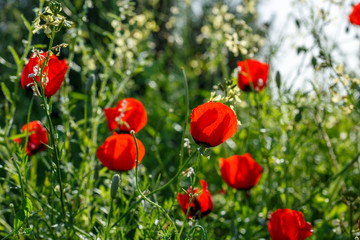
<point>190,171</point>
<point>341,89</point>
<point>52,18</point>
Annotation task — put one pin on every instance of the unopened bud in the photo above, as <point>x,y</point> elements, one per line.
<point>114,185</point>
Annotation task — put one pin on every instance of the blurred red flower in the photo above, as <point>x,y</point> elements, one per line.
<point>201,204</point>
<point>252,71</point>
<point>240,172</point>
<point>212,123</point>
<point>129,114</point>
<point>53,74</point>
<point>354,16</point>
<point>287,224</point>
<point>118,152</point>
<point>37,137</point>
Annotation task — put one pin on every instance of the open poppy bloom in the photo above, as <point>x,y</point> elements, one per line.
<point>252,71</point>
<point>287,224</point>
<point>37,137</point>
<point>212,123</point>
<point>200,205</point>
<point>240,172</point>
<point>354,16</point>
<point>129,114</point>
<point>118,152</point>
<point>53,74</point>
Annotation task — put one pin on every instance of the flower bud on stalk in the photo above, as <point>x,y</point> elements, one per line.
<point>114,185</point>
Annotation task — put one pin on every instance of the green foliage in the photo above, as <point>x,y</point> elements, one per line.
<point>305,141</point>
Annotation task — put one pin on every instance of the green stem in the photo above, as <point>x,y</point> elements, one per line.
<point>157,190</point>
<point>51,130</point>
<point>204,234</point>
<point>139,190</point>
<point>20,179</point>
<point>107,228</point>
<point>175,177</point>
<point>191,193</point>
<point>351,219</point>
<point>186,116</point>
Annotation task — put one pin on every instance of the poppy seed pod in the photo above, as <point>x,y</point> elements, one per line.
<point>212,123</point>
<point>118,152</point>
<point>354,16</point>
<point>200,205</point>
<point>52,77</point>
<point>114,185</point>
<point>37,137</point>
<point>240,172</point>
<point>129,114</point>
<point>252,72</point>
<point>287,224</point>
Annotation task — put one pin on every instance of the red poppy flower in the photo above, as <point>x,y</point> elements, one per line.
<point>37,137</point>
<point>240,172</point>
<point>129,114</point>
<point>212,123</point>
<point>287,224</point>
<point>201,204</point>
<point>53,74</point>
<point>118,152</point>
<point>354,16</point>
<point>252,71</point>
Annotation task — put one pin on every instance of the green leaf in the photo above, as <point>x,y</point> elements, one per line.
<point>27,205</point>
<point>6,92</point>
<point>27,24</point>
<point>101,59</point>
<point>39,46</point>
<point>313,61</point>
<point>22,214</point>
<point>15,55</point>
<point>278,79</point>
<point>77,96</point>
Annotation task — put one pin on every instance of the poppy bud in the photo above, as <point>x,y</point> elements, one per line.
<point>354,16</point>
<point>53,73</point>
<point>212,123</point>
<point>201,204</point>
<point>114,185</point>
<point>129,114</point>
<point>287,224</point>
<point>240,172</point>
<point>37,137</point>
<point>252,71</point>
<point>118,152</point>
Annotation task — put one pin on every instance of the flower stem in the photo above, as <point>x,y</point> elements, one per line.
<point>107,227</point>
<point>51,130</point>
<point>186,116</point>
<point>139,190</point>
<point>191,193</point>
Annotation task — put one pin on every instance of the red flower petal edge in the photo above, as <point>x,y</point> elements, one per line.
<point>212,123</point>
<point>37,137</point>
<point>53,74</point>
<point>118,152</point>
<point>200,205</point>
<point>287,224</point>
<point>240,172</point>
<point>252,71</point>
<point>129,114</point>
<point>354,16</point>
